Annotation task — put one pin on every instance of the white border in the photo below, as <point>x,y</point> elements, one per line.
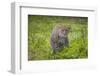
<point>19,38</point>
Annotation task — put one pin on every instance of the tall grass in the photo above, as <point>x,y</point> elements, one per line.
<point>39,31</point>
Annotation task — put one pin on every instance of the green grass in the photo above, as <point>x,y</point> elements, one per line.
<point>39,31</point>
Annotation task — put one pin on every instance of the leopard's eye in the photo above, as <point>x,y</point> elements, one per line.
<point>66,30</point>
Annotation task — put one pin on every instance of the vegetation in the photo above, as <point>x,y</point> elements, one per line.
<point>39,31</point>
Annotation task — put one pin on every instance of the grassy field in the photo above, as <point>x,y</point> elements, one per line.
<point>40,29</point>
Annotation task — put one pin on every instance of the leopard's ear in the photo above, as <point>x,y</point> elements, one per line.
<point>68,28</point>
